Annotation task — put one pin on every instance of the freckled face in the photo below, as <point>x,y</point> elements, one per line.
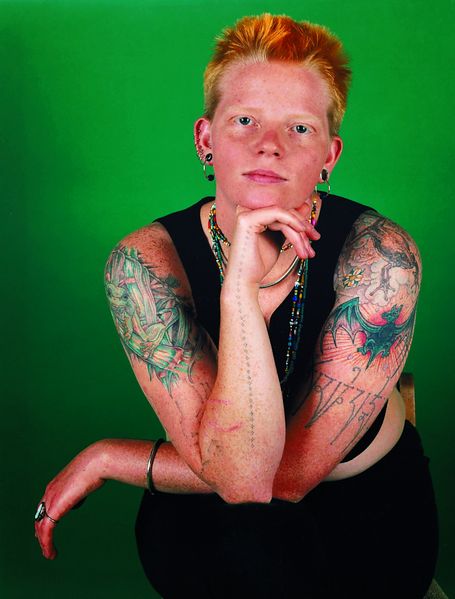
<point>270,135</point>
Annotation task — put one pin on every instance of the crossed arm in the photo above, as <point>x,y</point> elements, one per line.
<point>224,414</point>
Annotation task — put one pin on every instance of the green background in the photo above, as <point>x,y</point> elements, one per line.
<point>97,105</point>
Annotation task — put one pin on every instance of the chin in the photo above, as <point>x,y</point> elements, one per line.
<point>262,198</point>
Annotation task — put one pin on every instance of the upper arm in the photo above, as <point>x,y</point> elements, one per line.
<point>369,331</point>
<point>363,344</point>
<point>172,357</point>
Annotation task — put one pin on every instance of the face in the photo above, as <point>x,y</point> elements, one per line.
<point>269,136</point>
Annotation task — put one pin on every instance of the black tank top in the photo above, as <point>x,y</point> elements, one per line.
<point>335,222</point>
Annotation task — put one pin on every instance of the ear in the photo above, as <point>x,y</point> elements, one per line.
<point>203,137</point>
<point>334,153</point>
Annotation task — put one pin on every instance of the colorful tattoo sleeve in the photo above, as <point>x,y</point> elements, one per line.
<point>154,323</point>
<point>367,336</point>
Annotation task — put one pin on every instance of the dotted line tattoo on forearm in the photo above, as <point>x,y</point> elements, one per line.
<point>244,340</point>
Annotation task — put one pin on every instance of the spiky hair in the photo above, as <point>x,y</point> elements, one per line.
<point>269,37</point>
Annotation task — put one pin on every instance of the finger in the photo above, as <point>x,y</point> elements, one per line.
<point>264,217</point>
<point>308,249</point>
<point>44,528</point>
<point>305,250</point>
<point>44,531</point>
<point>299,240</point>
<point>305,228</point>
<point>309,227</point>
<point>311,232</point>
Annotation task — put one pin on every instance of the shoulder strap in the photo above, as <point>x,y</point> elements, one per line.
<point>184,228</point>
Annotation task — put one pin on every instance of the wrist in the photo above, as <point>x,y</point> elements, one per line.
<point>123,460</point>
<point>99,460</point>
<point>232,292</point>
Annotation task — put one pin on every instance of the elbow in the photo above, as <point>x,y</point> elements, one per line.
<point>243,493</point>
<point>289,496</point>
<point>296,478</point>
<point>288,490</point>
<point>237,497</point>
<point>291,488</point>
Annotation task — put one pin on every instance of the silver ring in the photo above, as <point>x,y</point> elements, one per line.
<point>41,513</point>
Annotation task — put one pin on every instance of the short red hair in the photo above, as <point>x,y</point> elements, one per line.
<point>278,37</point>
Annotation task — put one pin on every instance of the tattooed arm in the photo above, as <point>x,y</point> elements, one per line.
<point>173,358</point>
<point>175,363</point>
<point>229,428</point>
<point>360,355</point>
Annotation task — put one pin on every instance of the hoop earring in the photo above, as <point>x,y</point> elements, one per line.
<point>324,176</point>
<point>205,164</point>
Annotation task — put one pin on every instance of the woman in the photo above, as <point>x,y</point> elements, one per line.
<point>268,327</point>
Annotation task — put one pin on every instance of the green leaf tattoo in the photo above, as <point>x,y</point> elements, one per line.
<point>154,323</point>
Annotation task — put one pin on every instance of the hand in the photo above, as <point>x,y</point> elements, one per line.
<point>77,480</point>
<point>255,246</point>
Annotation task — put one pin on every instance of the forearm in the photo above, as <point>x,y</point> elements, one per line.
<point>242,430</point>
<point>125,460</point>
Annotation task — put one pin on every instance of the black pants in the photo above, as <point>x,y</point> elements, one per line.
<point>373,535</point>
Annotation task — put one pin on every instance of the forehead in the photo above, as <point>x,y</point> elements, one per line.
<point>291,86</point>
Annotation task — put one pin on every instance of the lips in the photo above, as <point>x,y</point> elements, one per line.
<point>264,176</point>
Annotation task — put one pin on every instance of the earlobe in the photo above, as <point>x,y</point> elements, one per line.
<point>202,137</point>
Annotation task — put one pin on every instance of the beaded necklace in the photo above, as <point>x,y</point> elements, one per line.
<point>299,293</point>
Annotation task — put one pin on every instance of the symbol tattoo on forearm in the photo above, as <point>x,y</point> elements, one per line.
<point>331,392</point>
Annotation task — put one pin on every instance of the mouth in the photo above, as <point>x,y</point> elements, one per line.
<point>264,176</point>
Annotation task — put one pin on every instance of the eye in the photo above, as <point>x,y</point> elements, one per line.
<point>301,129</point>
<point>244,120</point>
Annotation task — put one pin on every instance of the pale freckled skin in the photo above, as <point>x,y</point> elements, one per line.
<point>276,97</point>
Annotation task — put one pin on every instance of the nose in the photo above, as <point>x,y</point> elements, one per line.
<point>269,144</point>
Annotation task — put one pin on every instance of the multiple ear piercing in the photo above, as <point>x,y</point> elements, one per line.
<point>205,164</point>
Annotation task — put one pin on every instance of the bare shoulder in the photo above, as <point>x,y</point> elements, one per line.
<point>380,263</point>
<point>371,220</point>
<point>154,249</point>
<point>152,238</point>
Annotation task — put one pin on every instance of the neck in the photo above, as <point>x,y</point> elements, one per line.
<point>226,216</point>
